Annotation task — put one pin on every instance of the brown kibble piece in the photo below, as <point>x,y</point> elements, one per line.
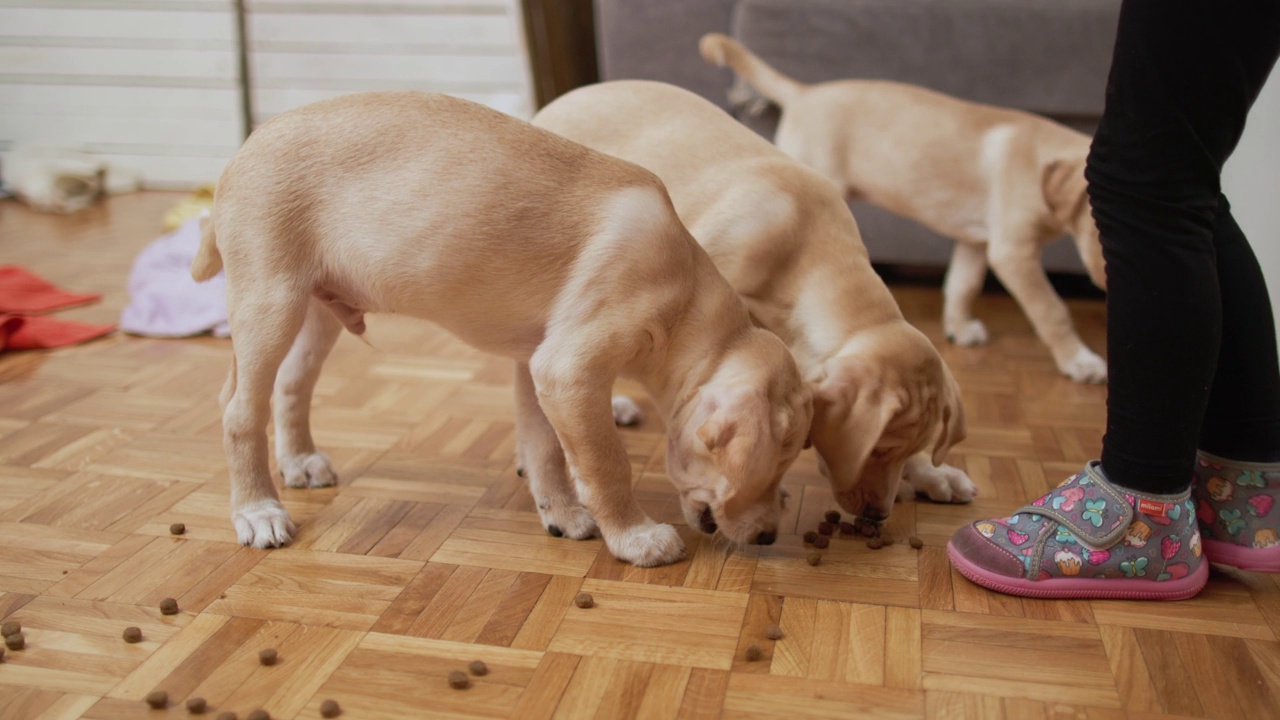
<point>847,528</point>
<point>268,656</point>
<point>887,539</point>
<point>833,517</point>
<point>875,543</point>
<point>458,680</point>
<point>132,634</point>
<point>773,632</point>
<point>822,542</point>
<point>583,600</point>
<point>869,531</point>
<point>754,653</point>
<point>810,536</point>
<point>177,529</point>
<point>228,715</point>
<point>330,709</point>
<point>168,606</point>
<point>825,528</point>
<point>16,641</point>
<point>478,668</point>
<point>259,714</point>
<point>196,705</point>
<point>10,628</point>
<point>158,699</point>
<point>915,542</point>
<point>814,558</point>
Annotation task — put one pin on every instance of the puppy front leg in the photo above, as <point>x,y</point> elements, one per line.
<point>296,454</point>
<point>542,461</point>
<point>1019,267</point>
<point>942,484</point>
<point>965,275</point>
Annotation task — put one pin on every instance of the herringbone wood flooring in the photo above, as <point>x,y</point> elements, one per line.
<point>429,554</point>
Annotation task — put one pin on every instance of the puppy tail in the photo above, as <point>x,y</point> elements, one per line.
<point>720,50</point>
<point>208,260</point>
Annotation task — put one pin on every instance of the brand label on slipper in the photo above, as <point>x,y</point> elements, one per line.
<point>1154,508</point>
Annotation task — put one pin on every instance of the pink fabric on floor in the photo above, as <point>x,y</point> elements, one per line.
<point>165,301</point>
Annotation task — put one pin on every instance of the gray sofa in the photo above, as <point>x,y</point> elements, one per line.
<point>1050,58</point>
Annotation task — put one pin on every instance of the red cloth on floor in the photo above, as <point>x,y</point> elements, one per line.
<point>39,332</point>
<point>22,291</point>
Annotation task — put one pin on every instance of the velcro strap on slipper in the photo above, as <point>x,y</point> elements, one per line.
<point>1088,505</point>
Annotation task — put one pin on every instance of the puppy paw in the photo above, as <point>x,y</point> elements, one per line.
<point>648,545</point>
<point>967,333</point>
<point>263,524</point>
<point>1085,367</point>
<point>563,519</point>
<point>308,470</point>
<point>625,411</point>
<point>942,484</point>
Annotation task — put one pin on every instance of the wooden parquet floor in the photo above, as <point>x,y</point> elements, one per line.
<point>429,554</point>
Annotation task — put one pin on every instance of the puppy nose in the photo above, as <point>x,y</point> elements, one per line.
<point>874,514</point>
<point>707,522</point>
<point>766,537</point>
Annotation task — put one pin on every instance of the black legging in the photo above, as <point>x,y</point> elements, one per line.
<point>1190,340</point>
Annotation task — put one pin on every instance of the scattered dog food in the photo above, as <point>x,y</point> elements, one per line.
<point>196,705</point>
<point>833,517</point>
<point>259,714</point>
<point>330,709</point>
<point>458,680</point>
<point>158,699</point>
<point>228,715</point>
<point>168,606</point>
<point>478,668</point>
<point>875,543</point>
<point>132,634</point>
<point>773,632</point>
<point>887,539</point>
<point>810,536</point>
<point>825,528</point>
<point>177,529</point>
<point>822,542</point>
<point>754,653</point>
<point>583,600</point>
<point>814,558</point>
<point>915,542</point>
<point>16,641</point>
<point>268,656</point>
<point>847,528</point>
<point>12,627</point>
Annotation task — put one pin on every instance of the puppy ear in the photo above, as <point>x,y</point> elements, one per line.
<point>851,410</point>
<point>717,431</point>
<point>1064,189</point>
<point>953,429</point>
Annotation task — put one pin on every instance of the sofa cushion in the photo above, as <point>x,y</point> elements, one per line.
<point>1047,57</point>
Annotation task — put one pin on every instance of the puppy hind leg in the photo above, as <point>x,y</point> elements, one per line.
<point>965,276</point>
<point>296,454</point>
<point>542,462</point>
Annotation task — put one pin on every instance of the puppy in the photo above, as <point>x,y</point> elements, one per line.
<point>521,243</point>
<point>884,401</point>
<point>1001,183</point>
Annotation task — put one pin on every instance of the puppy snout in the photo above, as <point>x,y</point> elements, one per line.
<point>874,514</point>
<point>707,522</point>
<point>766,537</point>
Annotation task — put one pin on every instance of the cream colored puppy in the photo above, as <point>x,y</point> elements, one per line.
<point>520,243</point>
<point>1001,183</point>
<point>884,401</point>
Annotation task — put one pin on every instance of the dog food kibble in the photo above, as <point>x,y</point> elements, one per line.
<point>177,529</point>
<point>259,714</point>
<point>754,653</point>
<point>16,641</point>
<point>847,528</point>
<point>583,600</point>
<point>833,517</point>
<point>814,558</point>
<point>158,699</point>
<point>887,539</point>
<point>915,542</point>
<point>810,536</point>
<point>168,606</point>
<point>10,628</point>
<point>773,632</point>
<point>268,656</point>
<point>875,543</point>
<point>458,680</point>
<point>196,705</point>
<point>825,528</point>
<point>869,530</point>
<point>330,709</point>
<point>228,715</point>
<point>822,542</point>
<point>132,634</point>
<point>478,668</point>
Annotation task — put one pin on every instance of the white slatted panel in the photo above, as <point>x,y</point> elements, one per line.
<point>148,84</point>
<point>301,51</point>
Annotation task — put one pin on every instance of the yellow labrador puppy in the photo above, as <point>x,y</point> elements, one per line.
<point>1002,183</point>
<point>884,401</point>
<point>521,243</point>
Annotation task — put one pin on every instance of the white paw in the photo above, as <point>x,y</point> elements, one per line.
<point>1085,367</point>
<point>263,524</point>
<point>943,484</point>
<point>647,545</point>
<point>564,519</point>
<point>967,333</point>
<point>625,411</point>
<point>308,470</point>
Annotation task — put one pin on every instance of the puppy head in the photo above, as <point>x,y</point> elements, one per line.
<point>887,397</point>
<point>729,446</point>
<point>1066,192</point>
